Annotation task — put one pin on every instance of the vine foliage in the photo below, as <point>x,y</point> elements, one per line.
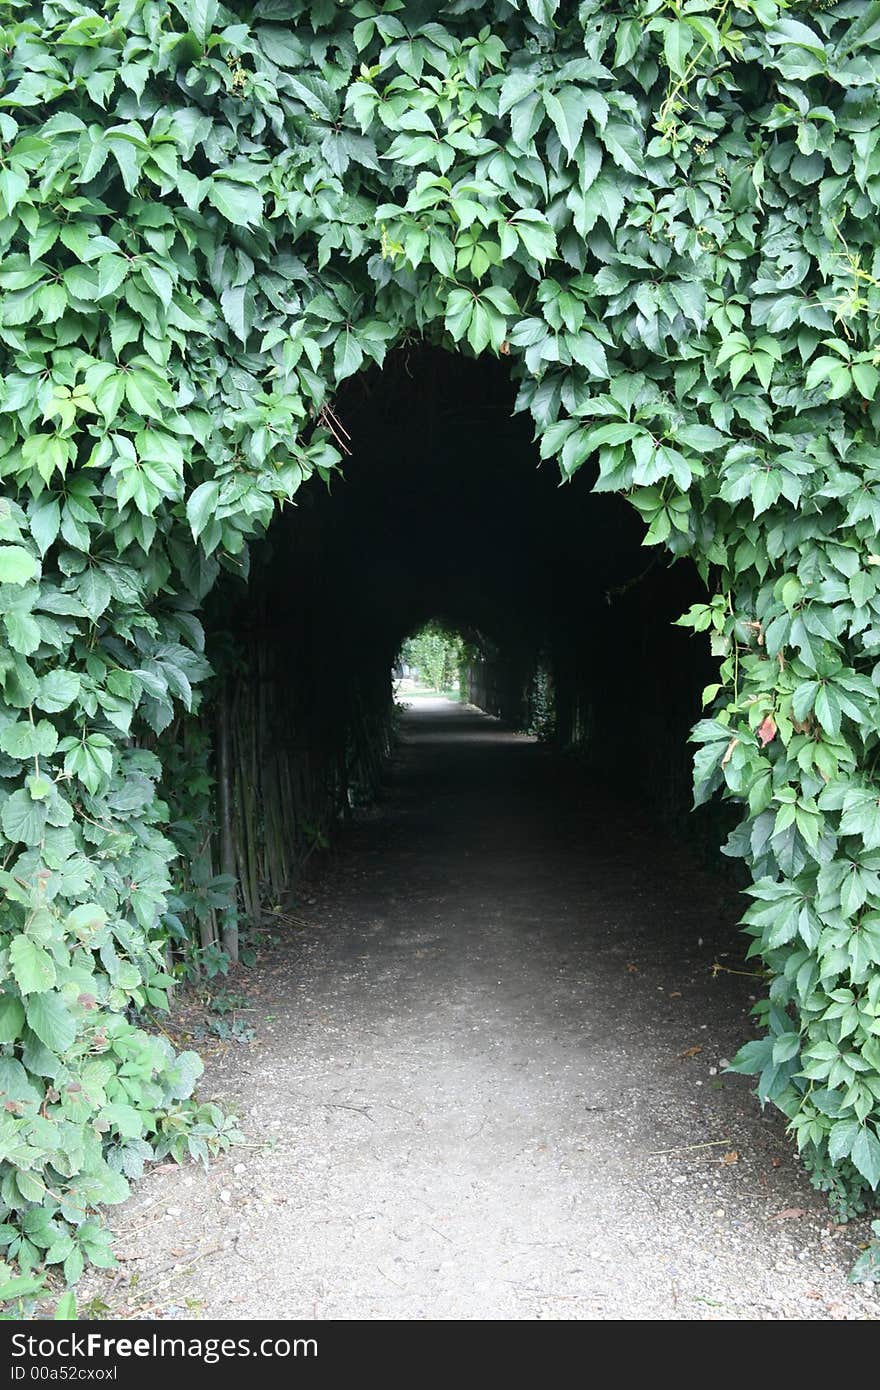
<point>663,213</point>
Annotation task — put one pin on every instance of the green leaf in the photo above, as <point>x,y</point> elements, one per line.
<point>500,299</point>
<point>183,1074</point>
<point>94,592</point>
<point>128,160</point>
<point>15,1084</point>
<point>866,1269</point>
<point>865,1154</point>
<point>17,566</point>
<point>535,233</point>
<point>233,302</point>
<point>542,11</point>
<point>618,432</point>
<point>568,112</point>
<point>480,327</point>
<point>11,1018</point>
<point>315,94</point>
<point>827,708</point>
<point>52,1021</point>
<point>38,787</point>
<point>862,587</point>
<point>442,254</point>
<point>59,1249</point>
<point>58,689</point>
<point>786,1046</point>
<point>32,966</point>
<point>126,1119</point>
<point>65,1308</point>
<point>791,31</point>
<point>23,1286</point>
<point>629,36</point>
<point>73,1267</point>
<point>678,41</point>
<point>44,516</point>
<point>588,352</point>
<point>803,699</point>
<point>347,355</point>
<point>853,893</point>
<point>602,199</point>
<point>199,15</point>
<point>201,506</point>
<point>597,106</point>
<point>13,186</point>
<point>752,1056</point>
<point>112,270</point>
<point>866,378</point>
<point>86,919</point>
<point>766,489</point>
<point>91,760</point>
<point>239,203</point>
<point>841,1139</point>
<point>25,740</point>
<point>23,819</point>
<point>23,631</point>
<point>624,143</point>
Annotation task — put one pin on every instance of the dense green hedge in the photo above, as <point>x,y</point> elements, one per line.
<point>663,213</point>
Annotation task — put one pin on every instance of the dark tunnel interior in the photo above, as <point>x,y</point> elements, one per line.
<point>442,511</point>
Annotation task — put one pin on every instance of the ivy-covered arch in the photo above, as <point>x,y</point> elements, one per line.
<point>663,212</point>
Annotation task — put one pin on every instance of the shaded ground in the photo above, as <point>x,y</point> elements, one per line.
<point>486,1083</point>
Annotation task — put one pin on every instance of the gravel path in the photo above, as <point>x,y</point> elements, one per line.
<point>486,1083</point>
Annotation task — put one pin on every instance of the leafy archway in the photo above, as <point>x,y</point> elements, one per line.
<point>663,215</point>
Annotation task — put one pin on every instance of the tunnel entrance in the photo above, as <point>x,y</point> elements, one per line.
<point>441,512</point>
<point>210,227</point>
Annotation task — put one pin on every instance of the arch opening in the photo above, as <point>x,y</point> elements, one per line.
<point>443,515</point>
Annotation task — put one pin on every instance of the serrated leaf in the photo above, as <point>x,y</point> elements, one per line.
<point>11,1018</point>
<point>22,631</point>
<point>347,355</point>
<point>94,592</point>
<point>38,787</point>
<point>199,15</point>
<point>52,1021</point>
<point>17,566</point>
<point>23,819</point>
<point>315,94</point>
<point>624,143</point>
<point>32,966</point>
<point>44,517</point>
<point>678,41</point>
<point>91,760</point>
<point>567,111</point>
<point>588,352</point>
<point>865,1154</point>
<point>234,303</point>
<point>58,689</point>
<point>74,1266</point>
<point>536,235</point>
<point>827,710</point>
<point>786,1046</point>
<point>201,506</point>
<point>239,203</point>
<point>866,378</point>
<point>25,740</point>
<point>841,1139</point>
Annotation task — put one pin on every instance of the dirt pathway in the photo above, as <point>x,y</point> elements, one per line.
<point>486,1083</point>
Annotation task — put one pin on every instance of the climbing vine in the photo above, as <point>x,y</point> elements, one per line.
<point>663,214</point>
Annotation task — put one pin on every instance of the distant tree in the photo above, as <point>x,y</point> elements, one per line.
<point>436,655</point>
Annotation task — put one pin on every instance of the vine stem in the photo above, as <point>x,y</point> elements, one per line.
<point>735,650</point>
<point>681,83</point>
